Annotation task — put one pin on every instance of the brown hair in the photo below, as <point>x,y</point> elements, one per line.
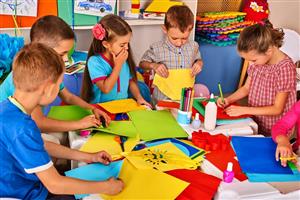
<point>179,17</point>
<point>114,26</point>
<point>260,37</point>
<point>50,30</point>
<point>34,64</point>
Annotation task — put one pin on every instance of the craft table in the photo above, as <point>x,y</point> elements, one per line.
<point>236,190</point>
<point>221,64</point>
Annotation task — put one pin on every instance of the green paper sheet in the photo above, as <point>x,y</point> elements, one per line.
<point>123,128</point>
<point>68,113</point>
<point>153,125</point>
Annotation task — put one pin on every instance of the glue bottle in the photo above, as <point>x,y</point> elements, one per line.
<point>196,122</point>
<point>210,117</point>
<point>228,174</point>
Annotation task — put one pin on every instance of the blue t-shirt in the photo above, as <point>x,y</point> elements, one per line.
<point>22,154</point>
<point>99,69</point>
<point>7,88</point>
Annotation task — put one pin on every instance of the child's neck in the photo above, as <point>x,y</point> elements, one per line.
<point>27,100</point>
<point>277,56</point>
<point>108,55</point>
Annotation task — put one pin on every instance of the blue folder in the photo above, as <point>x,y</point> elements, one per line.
<point>95,172</point>
<point>257,155</point>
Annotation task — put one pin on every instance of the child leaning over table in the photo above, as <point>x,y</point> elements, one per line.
<point>176,51</point>
<point>280,134</point>
<point>26,169</point>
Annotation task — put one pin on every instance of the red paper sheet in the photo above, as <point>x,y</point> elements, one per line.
<point>203,186</point>
<point>221,114</point>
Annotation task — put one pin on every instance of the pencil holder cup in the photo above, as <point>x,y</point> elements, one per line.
<point>183,117</point>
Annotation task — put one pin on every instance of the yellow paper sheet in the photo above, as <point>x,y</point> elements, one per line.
<point>177,79</point>
<point>147,184</point>
<point>121,106</point>
<point>107,142</point>
<point>162,157</point>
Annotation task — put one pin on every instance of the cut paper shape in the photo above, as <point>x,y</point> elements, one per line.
<point>188,149</point>
<point>121,106</point>
<point>209,142</point>
<point>106,142</point>
<point>263,161</point>
<point>203,186</point>
<point>152,125</point>
<point>95,172</point>
<point>163,157</point>
<point>177,79</point>
<point>147,184</point>
<point>68,113</point>
<point>123,128</point>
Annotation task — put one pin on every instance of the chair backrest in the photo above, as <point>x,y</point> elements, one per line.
<point>291,44</point>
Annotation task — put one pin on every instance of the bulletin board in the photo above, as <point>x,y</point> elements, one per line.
<point>45,7</point>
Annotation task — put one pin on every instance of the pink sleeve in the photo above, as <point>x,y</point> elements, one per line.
<point>287,122</point>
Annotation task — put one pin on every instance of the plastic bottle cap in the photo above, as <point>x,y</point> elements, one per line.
<point>229,166</point>
<point>197,116</point>
<point>212,98</point>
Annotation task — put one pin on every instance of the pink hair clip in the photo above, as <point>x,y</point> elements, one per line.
<point>261,23</point>
<point>98,32</point>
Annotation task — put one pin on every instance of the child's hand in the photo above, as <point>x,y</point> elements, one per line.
<point>283,150</point>
<point>142,101</point>
<point>234,111</point>
<point>161,70</point>
<point>88,121</point>
<point>222,104</point>
<point>120,58</point>
<point>101,157</point>
<point>197,67</point>
<point>115,186</point>
<point>99,113</point>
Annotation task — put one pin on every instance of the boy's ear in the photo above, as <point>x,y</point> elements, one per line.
<point>48,88</point>
<point>164,29</point>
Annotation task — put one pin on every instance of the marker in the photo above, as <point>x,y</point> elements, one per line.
<point>221,93</point>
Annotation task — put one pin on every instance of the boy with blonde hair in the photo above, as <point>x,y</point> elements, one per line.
<point>26,169</point>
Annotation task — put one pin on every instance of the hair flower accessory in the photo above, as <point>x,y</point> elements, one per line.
<point>98,32</point>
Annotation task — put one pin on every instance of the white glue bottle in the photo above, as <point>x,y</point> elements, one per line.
<point>210,117</point>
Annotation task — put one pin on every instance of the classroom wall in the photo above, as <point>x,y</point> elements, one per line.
<point>285,14</point>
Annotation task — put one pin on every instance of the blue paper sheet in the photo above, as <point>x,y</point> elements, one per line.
<point>95,172</point>
<point>257,155</point>
<point>273,177</point>
<point>185,148</point>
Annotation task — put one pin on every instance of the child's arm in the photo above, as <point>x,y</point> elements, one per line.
<point>280,133</point>
<point>72,99</point>
<point>197,67</point>
<point>59,151</point>
<point>276,109</point>
<point>134,89</point>
<point>159,68</point>
<point>284,149</point>
<point>51,125</point>
<point>57,184</point>
<point>239,94</point>
<point>108,83</point>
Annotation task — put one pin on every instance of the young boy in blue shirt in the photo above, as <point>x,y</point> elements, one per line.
<point>176,51</point>
<point>26,169</point>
